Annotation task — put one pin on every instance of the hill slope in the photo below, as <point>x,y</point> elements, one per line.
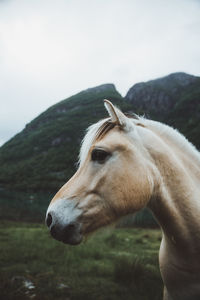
<point>42,157</point>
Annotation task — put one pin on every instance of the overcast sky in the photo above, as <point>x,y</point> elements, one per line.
<point>50,50</point>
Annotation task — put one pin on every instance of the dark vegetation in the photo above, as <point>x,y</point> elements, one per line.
<point>112,265</point>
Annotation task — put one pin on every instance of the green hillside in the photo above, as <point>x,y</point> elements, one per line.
<point>186,113</point>
<point>39,160</point>
<point>43,156</point>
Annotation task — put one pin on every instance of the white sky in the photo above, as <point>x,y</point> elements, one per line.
<point>50,50</point>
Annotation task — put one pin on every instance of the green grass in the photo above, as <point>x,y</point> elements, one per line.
<point>112,264</point>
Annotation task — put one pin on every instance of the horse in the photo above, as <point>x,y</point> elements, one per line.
<point>128,163</point>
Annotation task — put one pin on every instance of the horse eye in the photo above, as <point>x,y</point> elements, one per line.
<point>99,155</point>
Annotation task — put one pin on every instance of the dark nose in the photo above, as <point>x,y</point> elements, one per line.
<point>63,234</point>
<point>67,233</point>
<point>49,220</point>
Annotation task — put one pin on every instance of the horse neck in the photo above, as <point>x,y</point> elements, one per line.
<point>177,141</point>
<point>176,201</point>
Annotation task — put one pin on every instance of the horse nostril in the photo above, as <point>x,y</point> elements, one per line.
<point>49,220</point>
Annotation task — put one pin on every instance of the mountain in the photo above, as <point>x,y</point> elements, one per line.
<point>161,95</point>
<point>42,157</point>
<point>174,99</point>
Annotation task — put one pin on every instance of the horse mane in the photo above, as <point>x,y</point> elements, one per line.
<point>94,132</point>
<point>98,130</point>
<point>108,125</point>
<point>173,135</point>
<point>104,129</point>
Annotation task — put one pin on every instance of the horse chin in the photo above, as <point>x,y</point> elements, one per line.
<point>73,240</point>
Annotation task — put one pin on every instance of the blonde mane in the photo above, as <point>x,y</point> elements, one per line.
<point>174,136</point>
<point>92,133</point>
<point>101,128</point>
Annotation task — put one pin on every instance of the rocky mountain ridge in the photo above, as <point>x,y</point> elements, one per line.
<point>159,95</point>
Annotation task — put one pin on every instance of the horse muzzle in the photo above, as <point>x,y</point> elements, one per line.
<point>62,222</point>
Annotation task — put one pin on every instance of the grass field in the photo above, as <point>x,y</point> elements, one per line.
<point>113,264</point>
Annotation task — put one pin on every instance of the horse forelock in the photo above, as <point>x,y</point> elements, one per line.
<point>97,131</point>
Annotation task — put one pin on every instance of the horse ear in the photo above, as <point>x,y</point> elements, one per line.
<point>116,115</point>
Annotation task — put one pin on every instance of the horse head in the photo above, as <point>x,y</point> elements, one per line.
<point>114,179</point>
